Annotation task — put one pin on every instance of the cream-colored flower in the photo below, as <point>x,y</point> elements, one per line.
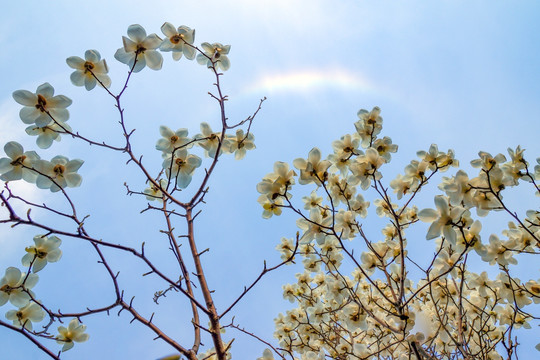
<point>215,54</point>
<point>58,173</point>
<point>88,69</point>
<point>75,332</point>
<point>44,250</point>
<point>12,288</point>
<point>19,164</point>
<point>42,106</point>
<point>26,315</point>
<point>140,48</point>
<point>178,41</point>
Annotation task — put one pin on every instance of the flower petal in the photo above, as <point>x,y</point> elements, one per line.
<point>136,32</point>
<point>75,62</point>
<point>154,60</point>
<point>25,97</point>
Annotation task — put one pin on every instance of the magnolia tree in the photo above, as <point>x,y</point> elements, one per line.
<point>360,296</point>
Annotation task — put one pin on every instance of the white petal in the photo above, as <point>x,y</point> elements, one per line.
<point>168,29</point>
<point>75,62</point>
<point>92,55</point>
<point>59,101</point>
<point>46,90</point>
<point>73,179</point>
<point>90,83</point>
<point>141,63</point>
<point>77,78</point>
<point>13,149</point>
<point>151,42</point>
<point>25,97</point>
<point>154,60</point>
<point>224,63</point>
<point>136,32</point>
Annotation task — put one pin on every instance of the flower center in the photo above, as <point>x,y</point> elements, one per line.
<point>175,39</point>
<point>140,49</point>
<point>88,66</point>
<point>18,161</point>
<point>42,102</point>
<point>59,169</point>
<point>174,139</point>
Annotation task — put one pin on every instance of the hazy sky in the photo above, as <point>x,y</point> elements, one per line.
<point>460,74</point>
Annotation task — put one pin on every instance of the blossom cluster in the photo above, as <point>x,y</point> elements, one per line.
<point>179,164</point>
<point>378,311</point>
<point>16,288</point>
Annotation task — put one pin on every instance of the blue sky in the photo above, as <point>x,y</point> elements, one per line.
<point>460,74</point>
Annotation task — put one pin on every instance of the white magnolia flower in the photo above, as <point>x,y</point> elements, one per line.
<point>32,312</point>
<point>215,54</point>
<point>45,250</point>
<point>181,166</point>
<point>19,164</point>
<point>11,287</point>
<point>172,140</point>
<point>58,173</point>
<point>87,69</point>
<point>177,41</point>
<point>75,332</point>
<point>39,105</point>
<point>141,48</point>
<point>47,134</point>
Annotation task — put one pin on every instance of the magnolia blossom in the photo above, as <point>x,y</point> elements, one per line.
<point>26,315</point>
<point>42,107</point>
<point>44,251</point>
<point>75,332</point>
<point>19,164</point>
<point>313,169</point>
<point>215,54</point>
<point>47,134</point>
<point>210,140</point>
<point>154,193</point>
<point>87,70</point>
<point>58,173</point>
<point>267,355</point>
<point>240,143</point>
<point>172,140</point>
<point>12,288</point>
<point>442,219</point>
<point>181,166</point>
<point>178,41</point>
<point>140,50</point>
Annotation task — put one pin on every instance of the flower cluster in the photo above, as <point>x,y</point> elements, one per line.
<point>378,311</point>
<point>179,164</point>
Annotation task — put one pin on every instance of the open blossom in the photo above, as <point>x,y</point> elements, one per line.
<point>215,53</point>
<point>88,69</point>
<point>211,140</point>
<point>313,169</point>
<point>178,41</point>
<point>141,48</point>
<point>271,207</point>
<point>75,332</point>
<point>172,140</point>
<point>39,105</point>
<point>442,219</point>
<point>11,287</point>
<point>44,250</point>
<point>240,143</point>
<point>154,193</point>
<point>181,166</point>
<point>58,173</point>
<point>31,312</point>
<point>19,164</point>
<point>47,134</point>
